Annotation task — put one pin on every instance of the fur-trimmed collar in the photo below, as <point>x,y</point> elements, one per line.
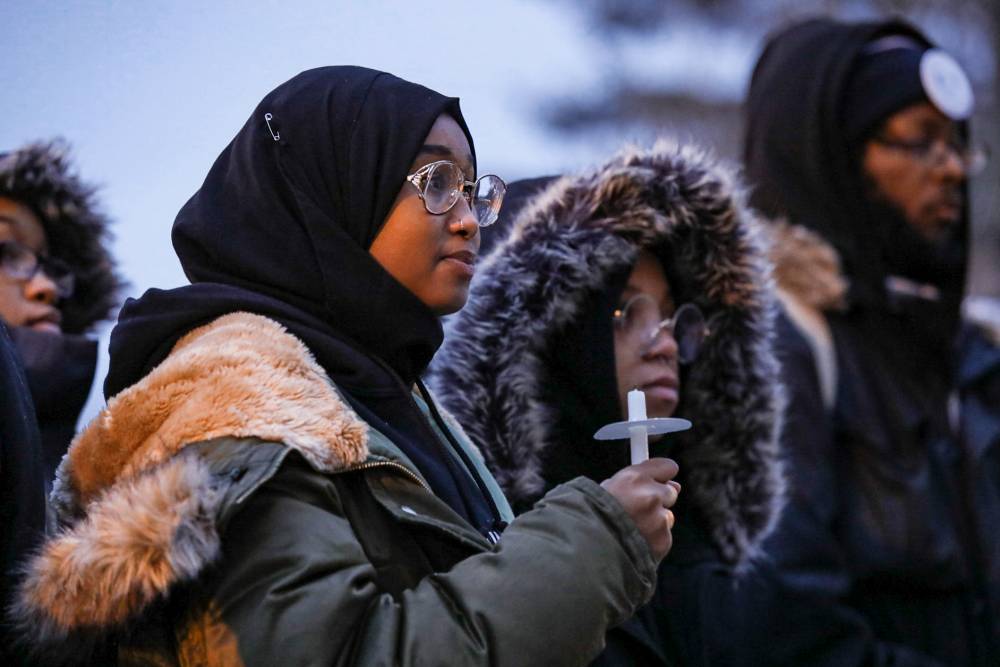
<point>806,267</point>
<point>138,511</point>
<point>568,241</point>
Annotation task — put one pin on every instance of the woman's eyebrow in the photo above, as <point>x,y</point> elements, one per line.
<point>439,150</point>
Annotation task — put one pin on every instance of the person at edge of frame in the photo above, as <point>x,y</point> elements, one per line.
<point>858,149</point>
<point>22,488</point>
<point>57,282</point>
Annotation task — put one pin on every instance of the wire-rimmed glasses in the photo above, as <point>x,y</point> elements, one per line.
<point>22,263</point>
<point>440,184</point>
<point>640,319</point>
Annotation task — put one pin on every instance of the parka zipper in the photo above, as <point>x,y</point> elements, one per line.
<point>381,464</point>
<point>493,536</point>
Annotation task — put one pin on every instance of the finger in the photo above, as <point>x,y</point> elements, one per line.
<point>670,496</point>
<point>662,470</point>
<point>670,520</point>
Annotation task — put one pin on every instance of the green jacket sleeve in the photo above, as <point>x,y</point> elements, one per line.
<point>294,586</point>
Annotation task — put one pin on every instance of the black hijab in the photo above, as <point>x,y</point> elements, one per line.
<point>281,227</point>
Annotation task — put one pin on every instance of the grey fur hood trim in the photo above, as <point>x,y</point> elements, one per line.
<point>40,176</point>
<point>568,241</point>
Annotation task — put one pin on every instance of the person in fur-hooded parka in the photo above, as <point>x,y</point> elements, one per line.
<point>40,176</point>
<point>45,204</point>
<point>529,368</point>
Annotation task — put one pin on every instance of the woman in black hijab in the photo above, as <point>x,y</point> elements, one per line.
<point>271,483</point>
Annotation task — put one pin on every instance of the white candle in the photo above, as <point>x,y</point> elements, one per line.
<point>636,405</point>
<point>638,435</point>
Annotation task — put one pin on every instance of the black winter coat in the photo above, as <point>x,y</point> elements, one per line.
<point>22,494</point>
<point>60,371</point>
<point>887,550</point>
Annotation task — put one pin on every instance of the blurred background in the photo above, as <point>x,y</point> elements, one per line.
<point>148,93</point>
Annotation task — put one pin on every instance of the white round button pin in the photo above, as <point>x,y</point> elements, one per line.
<point>946,84</point>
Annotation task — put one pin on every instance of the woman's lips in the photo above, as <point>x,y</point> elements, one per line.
<point>463,261</point>
<point>664,390</point>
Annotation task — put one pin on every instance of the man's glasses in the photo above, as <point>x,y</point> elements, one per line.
<point>21,263</point>
<point>640,319</point>
<point>934,151</point>
<point>441,183</point>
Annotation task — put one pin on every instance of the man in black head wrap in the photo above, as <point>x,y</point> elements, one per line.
<point>857,142</point>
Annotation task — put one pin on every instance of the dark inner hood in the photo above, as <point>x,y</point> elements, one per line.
<point>282,228</point>
<point>802,166</point>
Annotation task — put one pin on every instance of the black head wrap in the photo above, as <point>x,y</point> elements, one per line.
<point>285,218</point>
<point>886,79</point>
<point>292,205</point>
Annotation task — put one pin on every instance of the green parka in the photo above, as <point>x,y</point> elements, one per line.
<point>231,509</point>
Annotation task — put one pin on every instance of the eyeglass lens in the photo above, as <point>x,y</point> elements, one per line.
<point>21,263</point>
<point>445,183</point>
<point>642,321</point>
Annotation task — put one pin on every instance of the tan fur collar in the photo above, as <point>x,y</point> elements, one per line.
<point>242,375</point>
<point>139,512</point>
<point>806,267</point>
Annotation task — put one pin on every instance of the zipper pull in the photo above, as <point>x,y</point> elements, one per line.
<point>493,534</point>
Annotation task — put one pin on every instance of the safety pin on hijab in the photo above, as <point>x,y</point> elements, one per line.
<point>267,119</point>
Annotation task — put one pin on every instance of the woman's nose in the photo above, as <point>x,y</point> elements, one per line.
<point>41,289</point>
<point>463,221</point>
<point>661,344</point>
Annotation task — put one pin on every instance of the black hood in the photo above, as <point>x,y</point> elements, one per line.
<point>283,223</point>
<point>539,315</point>
<point>40,177</point>
<point>802,166</point>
